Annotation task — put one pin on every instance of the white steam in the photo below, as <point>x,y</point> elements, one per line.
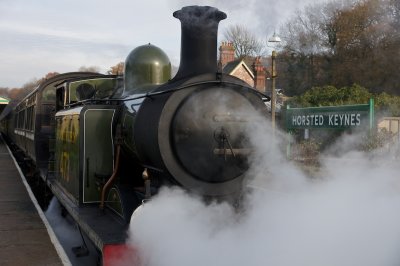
<point>349,217</point>
<point>68,235</point>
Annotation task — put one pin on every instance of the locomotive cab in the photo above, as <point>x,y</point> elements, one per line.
<point>74,91</point>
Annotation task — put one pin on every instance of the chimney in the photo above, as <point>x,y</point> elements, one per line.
<point>198,40</point>
<point>226,53</point>
<point>259,75</point>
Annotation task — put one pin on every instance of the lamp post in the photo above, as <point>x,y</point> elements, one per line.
<point>275,40</point>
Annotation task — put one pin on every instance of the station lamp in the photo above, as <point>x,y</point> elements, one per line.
<point>274,40</point>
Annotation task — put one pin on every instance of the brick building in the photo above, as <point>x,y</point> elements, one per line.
<point>252,70</point>
<point>248,69</point>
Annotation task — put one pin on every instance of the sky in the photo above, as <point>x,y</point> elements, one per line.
<point>41,36</point>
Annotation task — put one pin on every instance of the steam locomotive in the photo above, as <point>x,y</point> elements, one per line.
<point>112,141</point>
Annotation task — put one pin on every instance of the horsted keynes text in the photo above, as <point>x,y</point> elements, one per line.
<point>340,117</point>
<point>353,119</point>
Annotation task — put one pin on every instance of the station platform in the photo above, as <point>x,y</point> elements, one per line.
<point>25,238</point>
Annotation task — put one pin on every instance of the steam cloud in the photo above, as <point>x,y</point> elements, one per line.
<point>349,216</point>
<point>68,234</point>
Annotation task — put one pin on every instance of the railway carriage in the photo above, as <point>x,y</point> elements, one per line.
<point>30,123</point>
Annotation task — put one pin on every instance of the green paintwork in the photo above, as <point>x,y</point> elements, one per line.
<point>128,123</point>
<point>67,150</point>
<point>114,201</point>
<point>146,66</point>
<point>98,150</point>
<point>336,117</point>
<point>4,100</point>
<point>84,150</point>
<point>128,117</point>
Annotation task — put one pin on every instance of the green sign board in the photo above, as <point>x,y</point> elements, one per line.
<point>338,117</point>
<point>3,100</point>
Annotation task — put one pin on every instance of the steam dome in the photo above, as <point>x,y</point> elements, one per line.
<point>146,65</point>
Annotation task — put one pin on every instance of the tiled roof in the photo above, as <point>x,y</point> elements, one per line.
<point>228,68</point>
<point>231,66</point>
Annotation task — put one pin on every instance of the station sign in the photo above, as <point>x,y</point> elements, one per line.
<point>338,117</point>
<point>4,101</point>
<point>3,104</point>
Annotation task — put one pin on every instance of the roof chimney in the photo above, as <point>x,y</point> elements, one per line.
<point>259,75</point>
<point>226,53</point>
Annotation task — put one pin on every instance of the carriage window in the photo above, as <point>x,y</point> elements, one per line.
<point>49,94</point>
<point>30,117</point>
<point>21,119</point>
<point>48,114</point>
<point>24,119</point>
<point>16,120</point>
<point>60,95</point>
<point>33,118</point>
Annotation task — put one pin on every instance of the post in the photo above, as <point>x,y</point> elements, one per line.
<point>273,92</point>
<point>289,137</point>
<point>371,115</point>
<point>274,39</point>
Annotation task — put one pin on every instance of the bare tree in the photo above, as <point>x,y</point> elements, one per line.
<point>344,42</point>
<point>244,41</point>
<point>302,34</point>
<point>94,69</point>
<point>50,75</point>
<point>19,93</point>
<point>3,92</point>
<point>118,69</point>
